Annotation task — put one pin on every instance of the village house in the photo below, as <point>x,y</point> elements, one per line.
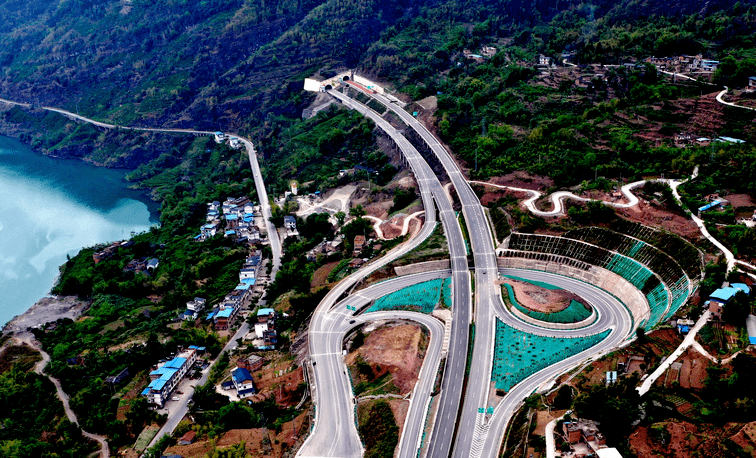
<point>359,244</point>
<point>118,378</point>
<point>544,60</point>
<point>290,223</point>
<point>152,264</point>
<point>224,318</point>
<point>220,137</point>
<point>751,84</point>
<point>188,438</point>
<point>719,299</point>
<point>235,143</point>
<point>243,382</point>
<point>251,363</point>
<point>488,51</point>
<point>583,436</point>
<point>193,308</point>
<point>751,328</point>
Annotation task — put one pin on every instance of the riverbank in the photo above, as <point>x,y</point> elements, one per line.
<point>46,310</point>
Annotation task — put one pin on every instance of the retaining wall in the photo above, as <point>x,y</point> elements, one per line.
<point>421,267</point>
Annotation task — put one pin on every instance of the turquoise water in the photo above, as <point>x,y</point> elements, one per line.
<point>50,208</point>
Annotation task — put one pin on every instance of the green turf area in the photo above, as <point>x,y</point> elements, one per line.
<point>572,314</point>
<point>145,437</point>
<point>518,354</point>
<point>422,297</point>
<point>543,285</point>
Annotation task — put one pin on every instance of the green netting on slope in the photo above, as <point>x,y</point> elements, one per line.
<point>657,301</point>
<point>518,354</point>
<point>630,270</point>
<point>421,297</point>
<point>635,249</point>
<point>446,298</point>
<point>534,282</point>
<point>680,294</point>
<point>572,314</point>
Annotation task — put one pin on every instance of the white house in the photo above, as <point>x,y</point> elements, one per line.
<point>246,273</point>
<point>290,223</point>
<point>235,143</point>
<point>260,329</point>
<point>220,137</point>
<point>245,385</point>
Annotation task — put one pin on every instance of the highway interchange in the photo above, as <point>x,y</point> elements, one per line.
<point>470,431</point>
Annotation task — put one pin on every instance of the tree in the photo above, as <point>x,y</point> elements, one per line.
<point>737,310</point>
<point>358,212</point>
<point>340,217</point>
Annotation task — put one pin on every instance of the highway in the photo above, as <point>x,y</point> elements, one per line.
<point>322,439</point>
<point>451,385</point>
<point>487,303</point>
<point>335,433</point>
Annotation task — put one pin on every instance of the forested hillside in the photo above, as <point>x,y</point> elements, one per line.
<point>238,65</point>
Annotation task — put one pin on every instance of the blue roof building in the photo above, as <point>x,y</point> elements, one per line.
<point>225,313</point>
<point>267,311</point>
<point>724,294</point>
<point>243,381</point>
<point>741,286</point>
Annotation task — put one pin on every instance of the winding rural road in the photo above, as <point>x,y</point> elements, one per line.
<point>39,368</point>
<point>262,194</point>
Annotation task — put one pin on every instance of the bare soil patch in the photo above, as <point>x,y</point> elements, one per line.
<point>651,214</point>
<point>544,417</point>
<point>281,380</point>
<point>693,371</point>
<point>740,200</point>
<point>393,349</point>
<point>320,276</point>
<point>538,299</point>
<point>399,408</point>
<point>525,180</point>
<point>746,437</point>
<point>393,226</point>
<point>685,439</point>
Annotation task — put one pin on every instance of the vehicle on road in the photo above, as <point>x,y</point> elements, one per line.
<point>175,398</point>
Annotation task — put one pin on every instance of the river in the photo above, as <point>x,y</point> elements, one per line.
<point>50,208</point>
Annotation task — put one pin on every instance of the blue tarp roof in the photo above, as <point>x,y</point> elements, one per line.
<point>145,392</point>
<point>230,232</point>
<point>232,216</point>
<point>197,236</point>
<point>176,363</point>
<point>741,286</point>
<point>246,284</point>
<point>210,316</point>
<point>208,226</point>
<point>158,385</point>
<point>225,313</point>
<point>265,312</point>
<point>724,294</point>
<point>241,374</point>
<point>709,206</point>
